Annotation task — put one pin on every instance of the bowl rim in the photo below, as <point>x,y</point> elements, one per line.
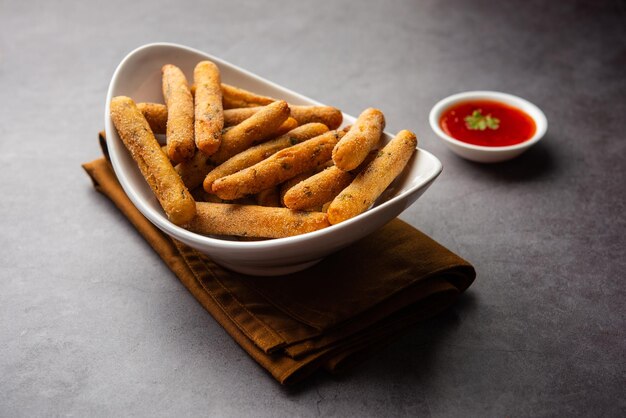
<point>225,244</point>
<point>526,106</point>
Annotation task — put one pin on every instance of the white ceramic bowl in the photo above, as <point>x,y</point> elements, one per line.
<point>139,77</point>
<point>480,153</point>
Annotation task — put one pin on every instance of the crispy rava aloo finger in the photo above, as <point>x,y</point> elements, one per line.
<point>258,127</point>
<point>364,136</point>
<point>156,115</point>
<point>328,115</point>
<point>317,189</point>
<point>279,167</point>
<point>153,163</point>
<point>289,124</point>
<point>374,179</point>
<point>233,97</point>
<point>289,183</point>
<point>179,131</point>
<point>209,114</point>
<point>260,152</point>
<point>254,221</point>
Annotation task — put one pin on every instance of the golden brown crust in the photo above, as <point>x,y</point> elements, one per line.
<point>180,114</point>
<point>289,183</point>
<point>279,167</point>
<point>328,115</point>
<point>156,168</point>
<point>363,136</point>
<point>234,97</point>
<point>369,184</point>
<point>289,124</point>
<point>254,221</point>
<point>234,117</point>
<point>259,152</point>
<point>317,189</point>
<point>257,128</point>
<point>209,115</point>
<point>156,115</point>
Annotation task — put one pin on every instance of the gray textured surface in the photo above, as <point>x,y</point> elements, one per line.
<point>93,324</point>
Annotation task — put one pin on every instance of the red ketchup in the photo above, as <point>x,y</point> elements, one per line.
<point>487,123</point>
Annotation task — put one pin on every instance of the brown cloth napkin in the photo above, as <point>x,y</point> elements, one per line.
<point>328,316</point>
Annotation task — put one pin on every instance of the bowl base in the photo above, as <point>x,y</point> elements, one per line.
<point>267,270</point>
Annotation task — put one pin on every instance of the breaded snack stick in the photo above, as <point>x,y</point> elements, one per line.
<point>233,97</point>
<point>287,126</point>
<point>179,131</point>
<point>279,167</point>
<point>360,140</point>
<point>370,157</point>
<point>193,171</point>
<point>254,129</point>
<point>260,152</point>
<point>209,115</point>
<point>156,168</point>
<point>289,183</point>
<point>374,179</point>
<point>156,115</point>
<point>328,115</point>
<point>317,189</point>
<point>235,116</point>
<point>254,221</point>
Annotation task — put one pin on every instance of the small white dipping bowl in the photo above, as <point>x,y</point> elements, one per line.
<point>139,77</point>
<point>484,154</point>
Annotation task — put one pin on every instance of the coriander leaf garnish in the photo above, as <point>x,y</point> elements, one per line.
<point>478,121</point>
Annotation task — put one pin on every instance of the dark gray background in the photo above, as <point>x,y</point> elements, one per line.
<point>93,324</point>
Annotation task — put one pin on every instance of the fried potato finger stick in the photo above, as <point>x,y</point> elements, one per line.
<point>328,115</point>
<point>369,184</point>
<point>259,126</point>
<point>209,115</point>
<point>287,126</point>
<point>364,136</point>
<point>254,221</point>
<point>317,189</point>
<point>260,152</point>
<point>156,115</point>
<point>279,167</point>
<point>289,183</point>
<point>236,116</point>
<point>154,165</point>
<point>233,97</point>
<point>180,113</point>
